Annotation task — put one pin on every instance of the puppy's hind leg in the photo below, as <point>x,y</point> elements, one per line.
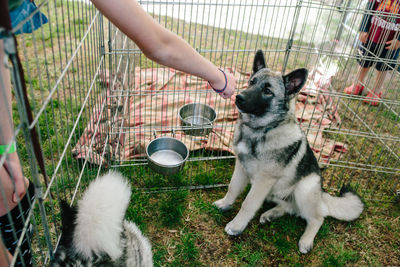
<point>272,214</point>
<point>308,201</point>
<point>238,182</point>
<point>307,239</point>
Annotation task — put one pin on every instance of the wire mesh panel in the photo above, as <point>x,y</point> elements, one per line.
<point>61,62</point>
<point>353,141</point>
<point>367,135</point>
<point>148,97</point>
<point>97,101</point>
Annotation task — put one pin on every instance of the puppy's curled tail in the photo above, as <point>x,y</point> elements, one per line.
<point>101,211</point>
<point>347,207</point>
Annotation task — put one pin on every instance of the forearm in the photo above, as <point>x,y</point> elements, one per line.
<point>6,124</point>
<point>156,42</point>
<point>176,53</point>
<point>5,256</point>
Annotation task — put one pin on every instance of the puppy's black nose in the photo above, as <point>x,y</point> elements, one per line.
<point>240,100</point>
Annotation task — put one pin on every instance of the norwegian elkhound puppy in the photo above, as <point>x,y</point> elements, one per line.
<point>273,155</point>
<point>94,233</point>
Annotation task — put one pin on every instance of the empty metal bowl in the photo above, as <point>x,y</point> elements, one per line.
<point>197,118</point>
<point>166,155</point>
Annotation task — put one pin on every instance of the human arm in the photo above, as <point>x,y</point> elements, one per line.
<point>10,171</point>
<point>161,45</point>
<point>393,44</point>
<point>363,37</point>
<point>5,256</point>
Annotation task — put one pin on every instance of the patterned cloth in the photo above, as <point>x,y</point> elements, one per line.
<point>154,102</point>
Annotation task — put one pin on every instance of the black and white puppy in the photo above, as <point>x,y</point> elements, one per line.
<point>95,233</point>
<point>273,155</point>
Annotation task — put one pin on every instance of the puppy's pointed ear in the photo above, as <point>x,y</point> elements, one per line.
<point>259,61</point>
<point>68,216</point>
<point>295,80</point>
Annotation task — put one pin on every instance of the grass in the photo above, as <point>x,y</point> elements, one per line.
<point>194,235</point>
<point>183,226</point>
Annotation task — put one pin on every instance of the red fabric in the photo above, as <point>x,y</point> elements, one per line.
<point>386,22</point>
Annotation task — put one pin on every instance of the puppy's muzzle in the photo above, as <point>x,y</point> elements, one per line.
<point>240,101</point>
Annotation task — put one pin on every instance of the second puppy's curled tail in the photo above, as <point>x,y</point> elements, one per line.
<point>100,216</point>
<point>347,207</point>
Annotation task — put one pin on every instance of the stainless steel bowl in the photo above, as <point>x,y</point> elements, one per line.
<point>166,155</point>
<point>198,119</point>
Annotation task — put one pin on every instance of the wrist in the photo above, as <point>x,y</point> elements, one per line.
<point>221,85</point>
<point>8,148</point>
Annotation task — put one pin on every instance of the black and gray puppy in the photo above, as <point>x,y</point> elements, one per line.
<point>95,233</point>
<point>273,155</point>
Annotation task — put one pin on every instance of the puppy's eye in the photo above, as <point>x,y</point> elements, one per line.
<point>253,81</point>
<point>266,89</point>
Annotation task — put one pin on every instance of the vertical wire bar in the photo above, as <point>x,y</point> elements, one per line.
<point>291,35</point>
<point>5,78</point>
<point>224,58</point>
<point>319,57</point>
<point>24,120</point>
<point>340,175</point>
<point>276,11</point>
<point>75,69</point>
<point>218,99</point>
<point>340,181</point>
<point>347,157</point>
<point>338,34</point>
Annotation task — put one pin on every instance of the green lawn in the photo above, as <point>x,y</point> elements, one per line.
<point>183,226</point>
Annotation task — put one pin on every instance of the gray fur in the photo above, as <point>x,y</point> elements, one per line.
<point>273,155</point>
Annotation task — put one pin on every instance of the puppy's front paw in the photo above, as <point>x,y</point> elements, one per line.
<point>305,245</point>
<point>235,228</point>
<point>222,205</point>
